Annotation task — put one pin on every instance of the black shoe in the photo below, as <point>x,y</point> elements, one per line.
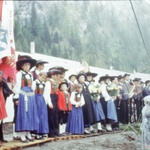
<point>92,131</point>
<point>24,141</point>
<point>39,137</point>
<point>4,141</point>
<point>16,138</point>
<point>100,131</point>
<point>30,139</point>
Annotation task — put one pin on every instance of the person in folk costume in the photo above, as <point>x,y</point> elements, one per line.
<point>72,82</point>
<point>27,116</point>
<point>145,126</point>
<point>88,109</point>
<point>62,75</point>
<point>53,120</point>
<point>64,106</point>
<point>100,117</point>
<point>117,100</point>
<point>75,123</point>
<point>39,67</point>
<point>61,78</point>
<point>127,92</point>
<point>16,135</point>
<point>138,98</point>
<point>107,102</point>
<point>146,89</point>
<point>3,112</point>
<point>42,89</point>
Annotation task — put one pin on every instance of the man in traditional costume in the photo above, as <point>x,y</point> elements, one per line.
<point>53,114</point>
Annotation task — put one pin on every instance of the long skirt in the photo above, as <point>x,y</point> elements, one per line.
<point>98,111</point>
<point>42,114</point>
<point>88,110</point>
<point>75,124</point>
<point>109,110</point>
<point>27,116</point>
<point>3,113</point>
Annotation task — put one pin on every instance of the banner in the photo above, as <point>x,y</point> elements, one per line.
<point>7,43</point>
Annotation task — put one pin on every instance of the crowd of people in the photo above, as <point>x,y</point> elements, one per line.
<point>46,103</point>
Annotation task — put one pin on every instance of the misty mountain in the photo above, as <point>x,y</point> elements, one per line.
<point>104,33</point>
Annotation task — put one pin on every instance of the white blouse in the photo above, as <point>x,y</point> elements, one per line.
<point>73,102</point>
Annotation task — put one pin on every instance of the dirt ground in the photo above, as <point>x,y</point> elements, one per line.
<point>127,140</point>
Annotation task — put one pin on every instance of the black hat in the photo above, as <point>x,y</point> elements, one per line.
<point>53,72</point>
<point>62,69</point>
<point>136,79</point>
<point>72,75</point>
<point>59,87</point>
<point>147,81</point>
<point>81,74</point>
<point>91,74</point>
<point>126,74</point>
<point>25,59</point>
<point>41,62</point>
<point>102,78</point>
<point>120,77</point>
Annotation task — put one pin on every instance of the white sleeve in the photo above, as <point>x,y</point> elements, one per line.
<point>105,93</point>
<point>34,85</point>
<point>46,93</point>
<point>17,87</point>
<point>72,99</point>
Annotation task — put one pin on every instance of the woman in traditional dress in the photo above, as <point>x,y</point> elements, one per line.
<point>88,110</point>
<point>95,90</point>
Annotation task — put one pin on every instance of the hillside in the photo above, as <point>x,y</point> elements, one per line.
<point>104,33</point>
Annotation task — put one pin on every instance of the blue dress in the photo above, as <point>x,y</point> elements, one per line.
<point>75,123</point>
<point>98,111</point>
<point>42,114</point>
<point>27,116</point>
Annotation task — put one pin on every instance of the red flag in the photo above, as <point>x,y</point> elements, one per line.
<point>8,63</point>
<point>1,6</point>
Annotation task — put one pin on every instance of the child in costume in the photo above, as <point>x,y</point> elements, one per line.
<point>42,89</point>
<point>75,124</point>
<point>27,116</point>
<point>64,106</point>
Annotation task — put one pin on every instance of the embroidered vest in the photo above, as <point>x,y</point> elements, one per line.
<point>39,88</point>
<point>25,81</point>
<point>77,97</point>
